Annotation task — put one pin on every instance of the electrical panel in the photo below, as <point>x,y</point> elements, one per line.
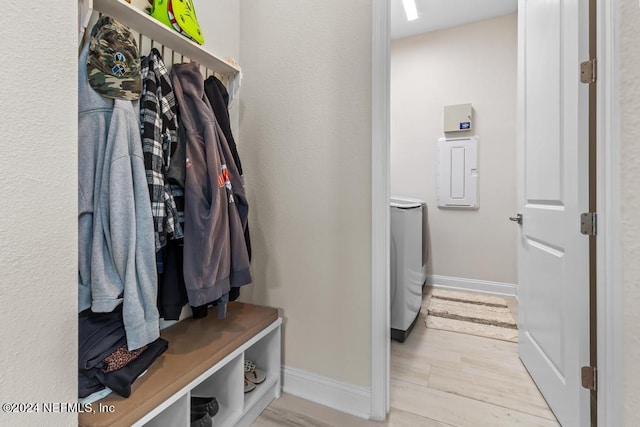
<point>457,170</point>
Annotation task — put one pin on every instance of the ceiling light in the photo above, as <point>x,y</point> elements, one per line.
<point>410,9</point>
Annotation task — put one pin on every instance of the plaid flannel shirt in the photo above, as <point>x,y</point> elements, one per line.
<point>158,121</point>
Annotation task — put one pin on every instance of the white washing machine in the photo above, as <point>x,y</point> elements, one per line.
<point>408,262</point>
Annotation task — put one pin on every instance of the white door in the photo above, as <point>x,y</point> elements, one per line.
<point>553,255</point>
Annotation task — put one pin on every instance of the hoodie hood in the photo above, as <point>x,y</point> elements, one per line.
<point>188,85</point>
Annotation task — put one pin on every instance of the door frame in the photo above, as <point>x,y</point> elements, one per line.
<point>380,216</point>
<point>608,252</point>
<point>609,256</point>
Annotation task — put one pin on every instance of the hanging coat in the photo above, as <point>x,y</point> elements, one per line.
<point>213,233</point>
<point>116,244</point>
<point>159,141</point>
<point>219,99</point>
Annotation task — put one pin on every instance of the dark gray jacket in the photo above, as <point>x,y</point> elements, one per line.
<point>214,247</point>
<point>218,98</point>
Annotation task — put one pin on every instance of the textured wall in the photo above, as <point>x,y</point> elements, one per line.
<point>630,196</point>
<point>220,24</point>
<point>38,224</point>
<point>474,63</point>
<point>305,121</point>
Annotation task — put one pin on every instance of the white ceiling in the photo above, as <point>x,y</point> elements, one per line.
<point>439,14</point>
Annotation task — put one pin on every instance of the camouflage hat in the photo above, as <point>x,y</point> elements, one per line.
<point>113,64</point>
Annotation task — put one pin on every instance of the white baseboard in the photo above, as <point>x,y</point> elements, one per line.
<point>460,283</point>
<point>325,391</point>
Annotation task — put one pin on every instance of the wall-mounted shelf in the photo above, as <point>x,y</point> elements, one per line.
<point>142,23</point>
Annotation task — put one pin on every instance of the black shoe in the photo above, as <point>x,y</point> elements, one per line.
<point>201,420</point>
<point>204,405</point>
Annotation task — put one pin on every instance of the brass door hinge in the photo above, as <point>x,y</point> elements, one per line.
<point>590,378</point>
<point>588,71</point>
<point>589,223</point>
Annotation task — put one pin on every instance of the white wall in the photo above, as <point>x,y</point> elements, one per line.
<point>630,196</point>
<point>220,24</point>
<point>473,63</point>
<point>38,224</point>
<point>305,125</point>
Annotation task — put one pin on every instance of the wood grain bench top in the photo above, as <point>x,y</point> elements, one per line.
<point>195,345</point>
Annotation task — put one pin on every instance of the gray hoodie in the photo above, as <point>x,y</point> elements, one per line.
<point>116,242</point>
<point>215,255</point>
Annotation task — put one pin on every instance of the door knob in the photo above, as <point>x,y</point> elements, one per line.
<point>517,218</point>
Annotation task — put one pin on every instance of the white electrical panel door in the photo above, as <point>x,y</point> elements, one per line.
<point>457,171</point>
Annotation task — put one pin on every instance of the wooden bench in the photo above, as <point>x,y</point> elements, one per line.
<point>205,358</point>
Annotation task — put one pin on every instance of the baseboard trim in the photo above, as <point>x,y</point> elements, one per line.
<point>460,283</point>
<point>325,391</point>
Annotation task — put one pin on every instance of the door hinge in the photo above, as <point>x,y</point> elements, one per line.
<point>589,224</point>
<point>590,378</point>
<point>588,71</point>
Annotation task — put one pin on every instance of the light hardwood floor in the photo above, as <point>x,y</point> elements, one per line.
<point>439,378</point>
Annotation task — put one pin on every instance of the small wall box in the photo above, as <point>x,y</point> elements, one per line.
<point>458,118</point>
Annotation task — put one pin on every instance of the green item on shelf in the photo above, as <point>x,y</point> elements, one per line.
<point>179,15</point>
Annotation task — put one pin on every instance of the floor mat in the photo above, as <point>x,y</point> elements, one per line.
<point>470,313</point>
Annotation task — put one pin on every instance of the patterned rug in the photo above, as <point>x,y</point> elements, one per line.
<point>470,313</point>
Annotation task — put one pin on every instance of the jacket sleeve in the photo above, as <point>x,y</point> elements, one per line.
<point>132,239</point>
